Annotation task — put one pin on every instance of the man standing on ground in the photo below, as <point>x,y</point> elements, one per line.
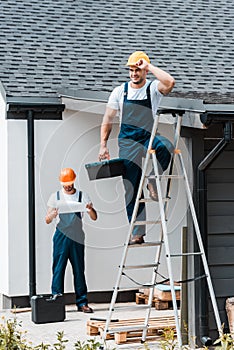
<point>68,240</point>
<point>137,101</point>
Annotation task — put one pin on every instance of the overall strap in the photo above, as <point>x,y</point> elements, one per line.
<point>58,195</point>
<point>125,91</point>
<point>79,200</point>
<point>148,95</point>
<point>80,196</point>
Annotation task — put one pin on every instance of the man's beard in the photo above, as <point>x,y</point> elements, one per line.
<point>138,82</point>
<point>69,188</point>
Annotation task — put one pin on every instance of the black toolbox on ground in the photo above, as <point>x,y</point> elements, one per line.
<point>46,308</point>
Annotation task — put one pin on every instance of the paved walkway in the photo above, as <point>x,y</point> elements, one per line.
<point>74,326</point>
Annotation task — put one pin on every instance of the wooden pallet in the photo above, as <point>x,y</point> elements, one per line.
<point>155,330</point>
<point>157,303</point>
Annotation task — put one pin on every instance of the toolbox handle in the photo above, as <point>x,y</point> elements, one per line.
<point>54,297</point>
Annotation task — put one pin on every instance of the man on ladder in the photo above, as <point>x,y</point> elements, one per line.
<point>137,101</point>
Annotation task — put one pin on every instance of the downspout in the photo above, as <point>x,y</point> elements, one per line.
<point>31,204</point>
<point>202,214</point>
<point>32,109</point>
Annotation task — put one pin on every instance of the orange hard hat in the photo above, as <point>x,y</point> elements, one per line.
<point>135,57</point>
<point>67,176</point>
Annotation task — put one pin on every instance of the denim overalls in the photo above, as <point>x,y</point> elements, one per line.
<point>68,244</point>
<point>136,125</point>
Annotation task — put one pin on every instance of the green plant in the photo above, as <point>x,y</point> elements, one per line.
<point>146,346</point>
<point>42,346</point>
<point>225,340</point>
<point>11,337</point>
<point>60,345</point>
<point>90,344</point>
<point>169,341</point>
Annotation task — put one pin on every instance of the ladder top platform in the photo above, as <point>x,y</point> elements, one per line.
<point>178,105</point>
<point>181,105</point>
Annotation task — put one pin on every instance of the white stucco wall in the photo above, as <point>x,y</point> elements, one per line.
<point>4,242</point>
<point>72,142</point>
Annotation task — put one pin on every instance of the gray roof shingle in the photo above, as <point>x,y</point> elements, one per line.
<point>48,46</point>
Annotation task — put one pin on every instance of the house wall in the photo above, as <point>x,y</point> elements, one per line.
<point>215,198</point>
<point>73,142</point>
<point>4,238</point>
<point>220,210</point>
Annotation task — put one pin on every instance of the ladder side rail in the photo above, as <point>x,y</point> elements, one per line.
<point>159,251</point>
<point>176,143</point>
<point>151,296</point>
<point>177,131</point>
<point>134,215</point>
<point>200,243</point>
<point>153,131</point>
<point>124,255</point>
<point>167,249</point>
<point>153,283</point>
<point>153,280</point>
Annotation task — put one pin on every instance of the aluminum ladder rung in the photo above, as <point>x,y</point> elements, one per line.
<point>132,307</point>
<point>177,177</point>
<point>126,328</point>
<point>185,254</point>
<point>145,266</point>
<point>147,222</point>
<point>166,176</point>
<point>144,285</point>
<point>149,200</point>
<point>146,200</point>
<point>145,244</point>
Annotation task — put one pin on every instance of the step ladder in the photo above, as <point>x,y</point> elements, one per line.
<point>163,241</point>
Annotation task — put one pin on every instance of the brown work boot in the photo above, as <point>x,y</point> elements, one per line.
<point>136,240</point>
<point>86,309</point>
<point>153,193</point>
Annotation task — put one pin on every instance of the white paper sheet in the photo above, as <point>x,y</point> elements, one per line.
<point>70,207</point>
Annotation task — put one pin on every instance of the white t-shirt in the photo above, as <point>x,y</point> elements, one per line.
<point>53,201</point>
<point>117,96</point>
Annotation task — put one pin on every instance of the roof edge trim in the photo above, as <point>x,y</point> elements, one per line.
<point>85,95</point>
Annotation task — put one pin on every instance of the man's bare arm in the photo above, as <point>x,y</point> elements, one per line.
<point>166,81</point>
<point>106,128</point>
<point>51,214</point>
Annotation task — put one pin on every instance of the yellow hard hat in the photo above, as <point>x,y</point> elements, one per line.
<point>136,56</point>
<point>67,177</point>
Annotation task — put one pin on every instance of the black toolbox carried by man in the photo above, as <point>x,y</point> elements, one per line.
<point>47,308</point>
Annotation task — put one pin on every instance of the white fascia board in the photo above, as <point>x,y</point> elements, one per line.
<point>94,107</point>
